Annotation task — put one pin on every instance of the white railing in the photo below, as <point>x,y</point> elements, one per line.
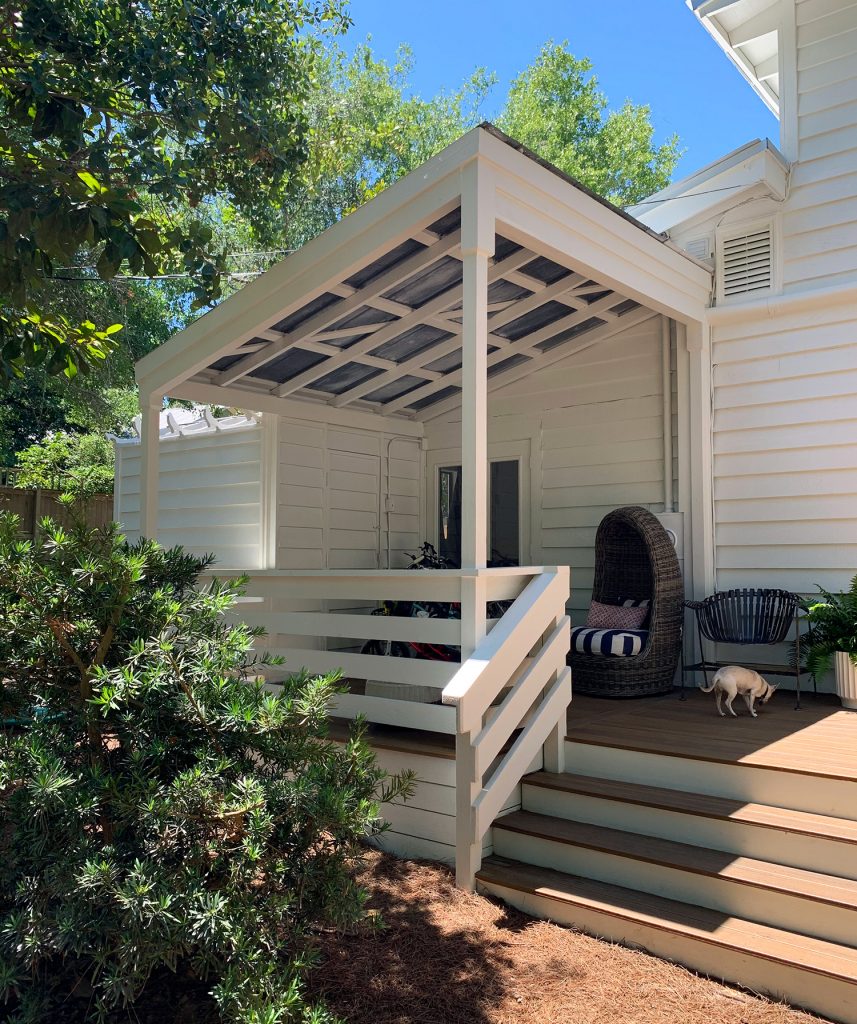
<point>523,662</point>
<point>512,677</point>
<point>320,620</point>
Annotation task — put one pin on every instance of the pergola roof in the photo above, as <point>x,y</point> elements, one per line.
<point>375,323</point>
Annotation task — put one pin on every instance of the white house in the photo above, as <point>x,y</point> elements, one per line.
<point>487,339</point>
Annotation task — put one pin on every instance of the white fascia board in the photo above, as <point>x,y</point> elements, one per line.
<point>540,208</point>
<point>764,173</point>
<point>353,242</point>
<point>713,27</point>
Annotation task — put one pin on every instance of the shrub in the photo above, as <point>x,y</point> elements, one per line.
<point>159,807</point>
<point>834,628</point>
<point>83,460</point>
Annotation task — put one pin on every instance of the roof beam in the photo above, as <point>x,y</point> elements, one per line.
<point>768,68</point>
<point>354,299</point>
<point>761,24</point>
<point>568,285</point>
<point>525,346</point>
<point>593,337</point>
<point>396,327</point>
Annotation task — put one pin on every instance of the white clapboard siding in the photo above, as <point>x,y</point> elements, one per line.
<point>595,426</point>
<point>820,215</point>
<point>210,497</point>
<point>785,435</point>
<point>340,491</point>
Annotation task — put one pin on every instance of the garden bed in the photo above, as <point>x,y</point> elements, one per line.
<point>450,957</point>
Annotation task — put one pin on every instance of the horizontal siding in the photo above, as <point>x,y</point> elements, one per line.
<point>210,497</point>
<point>595,426</point>
<point>338,492</point>
<point>820,215</point>
<point>785,452</point>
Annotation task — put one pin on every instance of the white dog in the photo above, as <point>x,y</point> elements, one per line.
<point>730,681</point>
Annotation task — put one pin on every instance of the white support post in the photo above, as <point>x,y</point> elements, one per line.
<point>270,489</point>
<point>150,434</point>
<point>477,248</point>
<point>698,337</point>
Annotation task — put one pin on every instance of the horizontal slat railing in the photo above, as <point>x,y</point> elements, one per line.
<point>319,620</point>
<point>486,672</point>
<point>525,656</point>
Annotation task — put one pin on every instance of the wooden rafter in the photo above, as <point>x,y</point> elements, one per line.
<point>351,301</point>
<point>395,328</point>
<point>567,287</point>
<point>594,337</point>
<point>527,346</point>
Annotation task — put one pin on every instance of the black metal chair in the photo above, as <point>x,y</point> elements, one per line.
<point>748,618</point>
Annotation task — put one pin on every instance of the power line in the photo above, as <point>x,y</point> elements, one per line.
<point>689,195</point>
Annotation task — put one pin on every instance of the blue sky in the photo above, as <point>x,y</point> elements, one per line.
<point>662,57</point>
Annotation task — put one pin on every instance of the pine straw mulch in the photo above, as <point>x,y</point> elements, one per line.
<point>449,957</point>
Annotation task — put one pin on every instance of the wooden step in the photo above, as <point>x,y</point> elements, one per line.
<point>820,976</point>
<point>755,779</point>
<point>800,839</point>
<point>784,897</point>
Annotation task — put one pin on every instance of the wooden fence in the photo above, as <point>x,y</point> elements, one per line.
<point>31,505</point>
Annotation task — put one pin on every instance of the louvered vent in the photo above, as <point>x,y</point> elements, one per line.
<point>699,248</point>
<point>747,262</point>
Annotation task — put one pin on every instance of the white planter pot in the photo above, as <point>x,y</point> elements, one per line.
<point>846,680</point>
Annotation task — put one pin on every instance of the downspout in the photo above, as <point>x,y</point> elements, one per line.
<point>666,383</point>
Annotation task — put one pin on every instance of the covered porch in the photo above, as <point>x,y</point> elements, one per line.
<point>441,330</point>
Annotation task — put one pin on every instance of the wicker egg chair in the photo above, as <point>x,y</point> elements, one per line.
<point>635,558</point>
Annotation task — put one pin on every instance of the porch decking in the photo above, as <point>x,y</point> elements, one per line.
<point>820,739</point>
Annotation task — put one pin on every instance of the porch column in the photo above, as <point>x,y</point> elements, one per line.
<point>698,340</point>
<point>477,248</point>
<point>150,433</point>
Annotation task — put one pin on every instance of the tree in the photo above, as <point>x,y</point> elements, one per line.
<point>69,462</point>
<point>367,130</point>
<point>555,108</point>
<point>122,118</point>
<point>162,813</point>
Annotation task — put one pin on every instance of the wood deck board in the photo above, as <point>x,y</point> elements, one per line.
<point>810,885</point>
<point>682,802</point>
<point>821,739</point>
<point>709,925</point>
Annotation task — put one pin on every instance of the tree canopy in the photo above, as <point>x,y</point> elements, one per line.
<point>122,118</point>
<point>362,126</point>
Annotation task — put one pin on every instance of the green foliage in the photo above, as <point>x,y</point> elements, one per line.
<point>556,109</point>
<point>116,117</point>
<point>368,130</point>
<point>159,807</point>
<point>80,462</point>
<point>834,628</point>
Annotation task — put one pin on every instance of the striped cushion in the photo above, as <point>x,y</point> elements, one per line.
<point>632,602</point>
<point>610,643</point>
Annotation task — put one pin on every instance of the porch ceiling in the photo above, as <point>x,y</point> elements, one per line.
<point>388,338</point>
<point>369,315</point>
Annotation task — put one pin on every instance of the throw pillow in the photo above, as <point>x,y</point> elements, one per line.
<point>611,616</point>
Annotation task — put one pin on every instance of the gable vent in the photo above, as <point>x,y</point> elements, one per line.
<point>699,248</point>
<point>747,262</point>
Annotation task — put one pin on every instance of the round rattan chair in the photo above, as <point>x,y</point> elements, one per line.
<point>635,559</point>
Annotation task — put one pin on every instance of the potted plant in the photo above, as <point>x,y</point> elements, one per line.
<point>833,641</point>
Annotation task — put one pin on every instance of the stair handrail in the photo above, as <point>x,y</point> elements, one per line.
<point>536,620</point>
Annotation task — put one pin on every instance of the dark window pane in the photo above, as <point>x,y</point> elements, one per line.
<point>504,512</point>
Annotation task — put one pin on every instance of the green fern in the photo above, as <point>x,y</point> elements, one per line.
<point>834,628</point>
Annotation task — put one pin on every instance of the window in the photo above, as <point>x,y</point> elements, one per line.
<point>504,512</point>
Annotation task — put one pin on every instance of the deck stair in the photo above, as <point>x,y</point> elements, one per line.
<point>750,891</point>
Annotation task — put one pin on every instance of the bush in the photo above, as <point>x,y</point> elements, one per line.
<point>60,459</point>
<point>159,808</point>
